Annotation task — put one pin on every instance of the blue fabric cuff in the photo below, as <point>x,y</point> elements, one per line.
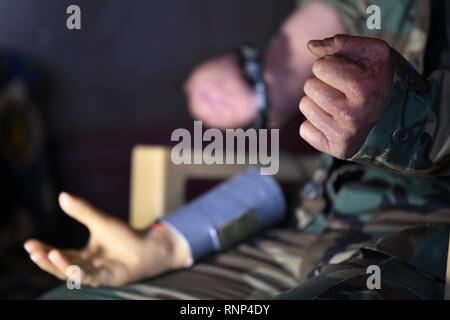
<point>228,213</point>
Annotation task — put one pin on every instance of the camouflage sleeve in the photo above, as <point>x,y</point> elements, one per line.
<point>403,23</point>
<point>396,17</point>
<point>412,136</point>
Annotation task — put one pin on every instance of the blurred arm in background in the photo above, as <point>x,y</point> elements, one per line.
<point>218,95</point>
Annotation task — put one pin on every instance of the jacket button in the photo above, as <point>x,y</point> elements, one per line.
<point>310,191</point>
<point>402,135</point>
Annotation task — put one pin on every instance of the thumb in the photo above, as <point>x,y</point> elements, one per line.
<point>80,210</point>
<point>353,48</point>
<point>326,46</point>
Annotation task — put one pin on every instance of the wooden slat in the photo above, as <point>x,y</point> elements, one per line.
<point>148,184</point>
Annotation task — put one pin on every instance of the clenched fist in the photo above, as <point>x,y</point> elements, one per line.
<point>348,93</point>
<point>218,94</point>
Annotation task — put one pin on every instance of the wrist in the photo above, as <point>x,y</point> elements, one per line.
<point>251,64</point>
<point>164,250</point>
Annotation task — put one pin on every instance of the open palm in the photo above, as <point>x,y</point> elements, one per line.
<point>115,254</point>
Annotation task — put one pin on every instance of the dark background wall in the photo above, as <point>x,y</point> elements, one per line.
<point>118,81</point>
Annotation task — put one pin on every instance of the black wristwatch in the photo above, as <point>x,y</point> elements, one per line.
<point>252,70</point>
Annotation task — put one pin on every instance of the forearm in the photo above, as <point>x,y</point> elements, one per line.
<point>287,61</point>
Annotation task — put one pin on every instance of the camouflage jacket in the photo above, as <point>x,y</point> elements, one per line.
<point>399,179</point>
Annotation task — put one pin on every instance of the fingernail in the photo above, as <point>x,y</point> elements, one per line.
<point>326,42</point>
<point>26,246</point>
<point>34,258</point>
<point>63,198</point>
<point>52,256</point>
<point>63,195</point>
<point>315,43</point>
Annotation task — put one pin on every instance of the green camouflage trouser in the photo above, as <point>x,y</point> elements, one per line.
<point>412,265</point>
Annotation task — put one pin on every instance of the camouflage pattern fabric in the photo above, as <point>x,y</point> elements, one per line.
<point>422,122</point>
<point>412,264</point>
<point>404,24</point>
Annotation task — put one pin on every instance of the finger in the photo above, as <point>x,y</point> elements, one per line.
<point>63,261</point>
<point>314,136</point>
<point>339,74</point>
<point>325,96</point>
<point>59,260</point>
<point>35,246</point>
<point>42,261</point>
<point>323,47</point>
<point>341,44</point>
<point>360,50</point>
<point>80,210</point>
<point>39,254</point>
<point>317,116</point>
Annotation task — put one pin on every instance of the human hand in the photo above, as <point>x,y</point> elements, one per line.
<point>348,93</point>
<point>115,254</point>
<point>218,94</point>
